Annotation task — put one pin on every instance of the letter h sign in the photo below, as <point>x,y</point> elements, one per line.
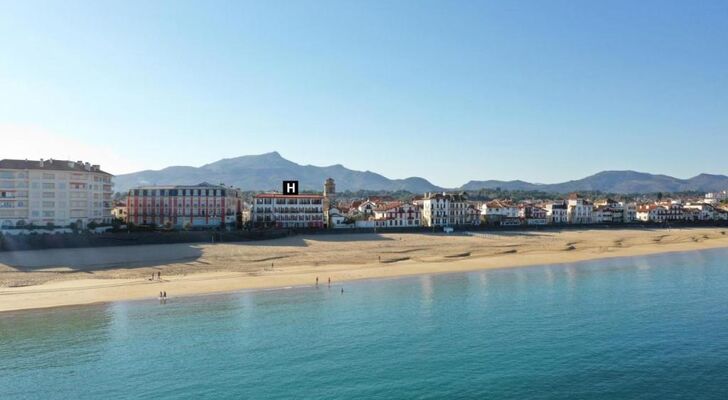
<point>290,187</point>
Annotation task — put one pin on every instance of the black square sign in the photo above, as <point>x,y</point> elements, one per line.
<point>290,187</point>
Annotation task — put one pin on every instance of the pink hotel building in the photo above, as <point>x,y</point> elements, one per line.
<point>202,205</point>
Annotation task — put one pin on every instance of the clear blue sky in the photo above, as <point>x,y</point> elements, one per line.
<point>543,91</point>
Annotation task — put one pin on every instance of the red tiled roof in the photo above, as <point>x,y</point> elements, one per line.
<point>498,204</point>
<point>389,206</point>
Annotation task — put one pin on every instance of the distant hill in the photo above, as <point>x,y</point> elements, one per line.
<point>614,182</point>
<point>266,171</point>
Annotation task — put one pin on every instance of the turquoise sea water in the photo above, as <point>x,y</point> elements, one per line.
<point>641,328</point>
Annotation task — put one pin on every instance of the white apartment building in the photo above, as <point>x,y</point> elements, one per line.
<point>611,211</point>
<point>556,213</point>
<point>397,214</point>
<point>674,210</point>
<point>288,211</point>
<point>651,213</point>
<point>447,209</point>
<point>499,212</point>
<point>336,218</point>
<point>53,192</point>
<point>578,210</point>
<point>532,215</point>
<point>629,212</point>
<point>184,206</point>
<point>605,215</point>
<point>367,207</point>
<point>716,197</point>
<point>701,212</point>
<point>119,212</point>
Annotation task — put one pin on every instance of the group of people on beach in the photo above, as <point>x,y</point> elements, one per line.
<point>162,293</point>
<point>317,281</point>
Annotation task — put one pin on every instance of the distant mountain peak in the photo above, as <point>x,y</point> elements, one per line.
<point>266,171</point>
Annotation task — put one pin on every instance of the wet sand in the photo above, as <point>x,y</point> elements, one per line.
<point>60,277</point>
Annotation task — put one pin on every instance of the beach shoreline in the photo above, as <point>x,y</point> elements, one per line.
<point>56,278</point>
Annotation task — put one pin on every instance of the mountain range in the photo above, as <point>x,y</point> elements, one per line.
<point>266,171</point>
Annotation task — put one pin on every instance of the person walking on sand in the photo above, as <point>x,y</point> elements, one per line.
<point>159,275</point>
<point>165,294</point>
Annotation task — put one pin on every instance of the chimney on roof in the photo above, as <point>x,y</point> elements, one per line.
<point>96,167</point>
<point>41,163</point>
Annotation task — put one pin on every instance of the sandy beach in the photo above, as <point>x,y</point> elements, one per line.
<point>61,277</point>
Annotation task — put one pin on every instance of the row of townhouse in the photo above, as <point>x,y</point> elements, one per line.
<point>453,209</point>
<point>316,211</point>
<point>577,210</point>
<point>574,210</point>
<point>676,211</point>
<point>430,210</point>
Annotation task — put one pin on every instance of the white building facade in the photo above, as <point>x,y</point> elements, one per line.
<point>54,192</point>
<point>446,209</point>
<point>556,213</point>
<point>530,214</point>
<point>716,197</point>
<point>288,211</point>
<point>578,210</point>
<point>500,212</point>
<point>701,212</point>
<point>397,215</point>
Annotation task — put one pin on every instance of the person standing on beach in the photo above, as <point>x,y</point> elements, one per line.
<point>329,281</point>
<point>159,275</point>
<point>165,294</point>
<point>317,281</point>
